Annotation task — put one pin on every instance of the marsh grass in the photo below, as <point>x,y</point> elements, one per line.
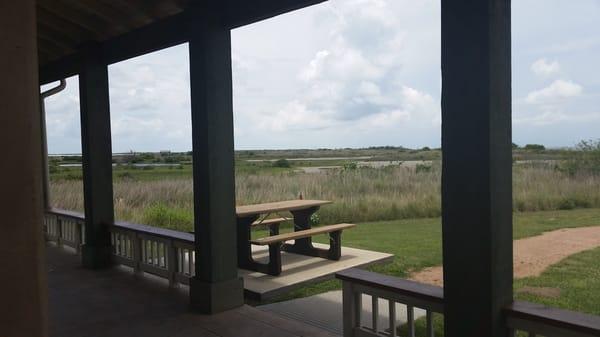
<point>359,195</point>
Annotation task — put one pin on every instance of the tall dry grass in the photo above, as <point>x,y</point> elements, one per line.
<point>359,195</point>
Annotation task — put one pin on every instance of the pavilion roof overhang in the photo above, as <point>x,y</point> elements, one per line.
<point>123,29</point>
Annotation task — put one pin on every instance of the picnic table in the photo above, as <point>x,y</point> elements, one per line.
<point>301,210</point>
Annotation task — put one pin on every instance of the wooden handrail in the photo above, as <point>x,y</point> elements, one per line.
<point>150,230</point>
<point>156,231</point>
<point>67,214</point>
<point>393,284</point>
<point>542,320</point>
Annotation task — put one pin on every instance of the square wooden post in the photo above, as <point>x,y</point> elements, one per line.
<point>97,159</point>
<point>216,285</point>
<point>23,294</point>
<point>477,166</point>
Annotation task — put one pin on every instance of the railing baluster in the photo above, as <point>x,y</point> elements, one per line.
<point>59,232</point>
<point>358,309</point>
<point>137,254</point>
<point>172,263</point>
<point>190,262</point>
<point>429,318</point>
<point>154,253</point>
<point>180,260</point>
<point>78,234</point>
<point>165,249</point>
<point>123,244</point>
<point>392,314</point>
<point>410,318</point>
<point>375,313</point>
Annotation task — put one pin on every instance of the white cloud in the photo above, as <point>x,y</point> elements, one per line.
<point>557,91</point>
<point>416,107</point>
<point>544,67</point>
<point>356,77</point>
<point>338,73</point>
<point>553,117</point>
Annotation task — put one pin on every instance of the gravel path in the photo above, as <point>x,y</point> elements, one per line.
<point>534,254</point>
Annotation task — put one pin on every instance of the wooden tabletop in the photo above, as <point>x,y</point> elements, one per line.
<point>279,206</point>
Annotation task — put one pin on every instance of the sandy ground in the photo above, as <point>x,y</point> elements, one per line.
<point>534,254</point>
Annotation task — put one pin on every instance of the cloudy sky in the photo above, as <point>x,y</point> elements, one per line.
<point>354,73</point>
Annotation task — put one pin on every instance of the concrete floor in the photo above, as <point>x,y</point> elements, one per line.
<point>330,317</point>
<point>298,270</point>
<point>115,303</point>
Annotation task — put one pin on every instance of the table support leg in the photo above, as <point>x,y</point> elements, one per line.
<point>243,242</point>
<point>245,259</point>
<point>301,222</point>
<point>333,253</point>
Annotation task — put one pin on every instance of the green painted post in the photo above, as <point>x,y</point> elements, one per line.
<point>477,166</point>
<point>97,159</point>
<point>216,285</point>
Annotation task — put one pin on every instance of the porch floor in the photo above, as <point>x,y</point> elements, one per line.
<point>113,302</point>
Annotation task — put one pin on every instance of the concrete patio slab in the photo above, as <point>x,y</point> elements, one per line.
<point>329,315</point>
<point>299,270</point>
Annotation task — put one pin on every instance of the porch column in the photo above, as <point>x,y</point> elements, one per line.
<point>23,294</point>
<point>216,286</point>
<point>97,159</point>
<point>477,164</point>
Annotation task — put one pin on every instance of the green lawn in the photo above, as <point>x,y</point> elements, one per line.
<point>417,244</point>
<point>577,277</point>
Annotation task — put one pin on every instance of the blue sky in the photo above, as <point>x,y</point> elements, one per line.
<point>354,73</point>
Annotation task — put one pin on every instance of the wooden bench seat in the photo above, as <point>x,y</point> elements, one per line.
<point>301,245</point>
<point>301,234</point>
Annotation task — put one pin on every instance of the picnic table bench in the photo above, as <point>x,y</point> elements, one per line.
<point>301,210</point>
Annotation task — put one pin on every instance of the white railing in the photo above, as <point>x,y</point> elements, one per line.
<point>65,228</point>
<point>390,294</point>
<point>161,252</point>
<point>522,318</point>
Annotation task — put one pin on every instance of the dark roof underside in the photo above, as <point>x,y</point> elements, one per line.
<point>128,28</point>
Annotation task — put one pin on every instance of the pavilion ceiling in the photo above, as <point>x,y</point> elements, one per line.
<point>65,25</point>
<point>122,29</point>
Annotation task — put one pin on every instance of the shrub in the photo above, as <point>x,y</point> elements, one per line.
<point>125,176</point>
<point>284,163</point>
<point>160,215</point>
<point>584,160</point>
<point>350,166</point>
<point>535,147</point>
<point>421,168</point>
<point>53,168</point>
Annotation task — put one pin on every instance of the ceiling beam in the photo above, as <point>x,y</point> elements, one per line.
<point>71,16</point>
<point>118,21</point>
<point>241,13</point>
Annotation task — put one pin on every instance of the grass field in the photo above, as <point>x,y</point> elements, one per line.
<point>163,197</point>
<point>417,243</point>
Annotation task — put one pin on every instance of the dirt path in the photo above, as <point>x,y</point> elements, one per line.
<point>534,254</point>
